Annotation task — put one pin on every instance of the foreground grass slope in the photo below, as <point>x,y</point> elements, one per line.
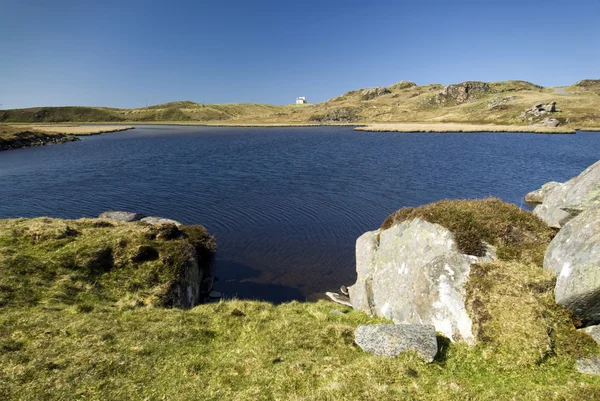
<point>18,137</point>
<point>497,103</point>
<point>72,329</point>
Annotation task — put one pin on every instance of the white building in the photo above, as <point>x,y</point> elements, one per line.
<point>301,100</point>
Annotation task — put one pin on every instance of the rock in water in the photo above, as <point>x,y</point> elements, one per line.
<point>413,273</point>
<point>126,217</point>
<point>391,340</point>
<point>574,256</point>
<point>589,366</point>
<point>563,202</point>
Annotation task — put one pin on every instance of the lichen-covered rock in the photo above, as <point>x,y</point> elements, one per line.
<point>574,256</point>
<point>537,196</point>
<point>562,202</point>
<point>413,273</point>
<point>391,340</point>
<point>126,217</point>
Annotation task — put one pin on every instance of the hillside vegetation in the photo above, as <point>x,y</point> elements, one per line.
<point>472,102</point>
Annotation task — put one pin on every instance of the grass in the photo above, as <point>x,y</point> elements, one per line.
<point>71,328</point>
<point>18,137</point>
<point>80,130</point>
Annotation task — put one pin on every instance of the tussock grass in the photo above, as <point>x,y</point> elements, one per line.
<point>91,263</point>
<point>518,235</point>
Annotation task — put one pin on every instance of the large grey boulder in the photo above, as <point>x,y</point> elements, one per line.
<point>574,256</point>
<point>127,217</point>
<point>413,273</point>
<point>391,340</point>
<point>563,202</point>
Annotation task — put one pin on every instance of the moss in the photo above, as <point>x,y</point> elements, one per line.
<point>58,263</point>
<point>517,234</point>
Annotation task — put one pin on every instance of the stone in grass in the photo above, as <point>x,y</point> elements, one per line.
<point>592,331</point>
<point>589,366</point>
<point>391,340</point>
<point>126,217</point>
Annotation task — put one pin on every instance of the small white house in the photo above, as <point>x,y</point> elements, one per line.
<point>301,100</point>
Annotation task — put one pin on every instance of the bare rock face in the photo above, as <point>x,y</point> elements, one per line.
<point>369,94</point>
<point>564,201</point>
<point>461,93</point>
<point>391,340</point>
<point>588,366</point>
<point>539,113</point>
<point>160,220</point>
<point>574,256</point>
<point>413,273</point>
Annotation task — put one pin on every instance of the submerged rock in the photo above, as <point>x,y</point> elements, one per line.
<point>574,256</point>
<point>391,340</point>
<point>413,273</point>
<point>562,202</point>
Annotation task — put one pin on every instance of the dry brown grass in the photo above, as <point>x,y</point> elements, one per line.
<point>453,127</point>
<point>77,129</point>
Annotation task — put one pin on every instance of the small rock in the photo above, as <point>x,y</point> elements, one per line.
<point>340,299</point>
<point>215,294</point>
<point>160,220</point>
<point>126,217</point>
<point>592,331</point>
<point>344,290</point>
<point>588,366</point>
<point>391,340</point>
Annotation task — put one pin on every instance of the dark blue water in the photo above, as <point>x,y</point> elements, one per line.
<point>285,204</point>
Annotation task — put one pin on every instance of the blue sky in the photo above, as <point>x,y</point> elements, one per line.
<point>129,53</point>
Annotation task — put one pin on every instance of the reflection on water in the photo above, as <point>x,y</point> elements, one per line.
<point>285,204</point>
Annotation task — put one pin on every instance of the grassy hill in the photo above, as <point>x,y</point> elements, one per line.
<point>472,102</point>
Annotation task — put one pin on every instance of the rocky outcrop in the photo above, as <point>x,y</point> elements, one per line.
<point>413,273</point>
<point>337,115</point>
<point>160,220</point>
<point>372,93</point>
<point>402,85</point>
<point>541,111</point>
<point>391,340</point>
<point>592,331</point>
<point>460,93</point>
<point>27,139</point>
<point>561,202</point>
<point>574,256</point>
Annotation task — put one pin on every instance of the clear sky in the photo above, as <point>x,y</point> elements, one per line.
<point>128,53</point>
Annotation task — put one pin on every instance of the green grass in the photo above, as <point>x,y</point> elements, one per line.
<point>81,317</point>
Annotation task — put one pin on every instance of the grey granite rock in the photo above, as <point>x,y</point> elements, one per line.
<point>537,196</point>
<point>121,216</point>
<point>391,340</point>
<point>563,202</point>
<point>413,273</point>
<point>574,256</point>
<point>589,366</point>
